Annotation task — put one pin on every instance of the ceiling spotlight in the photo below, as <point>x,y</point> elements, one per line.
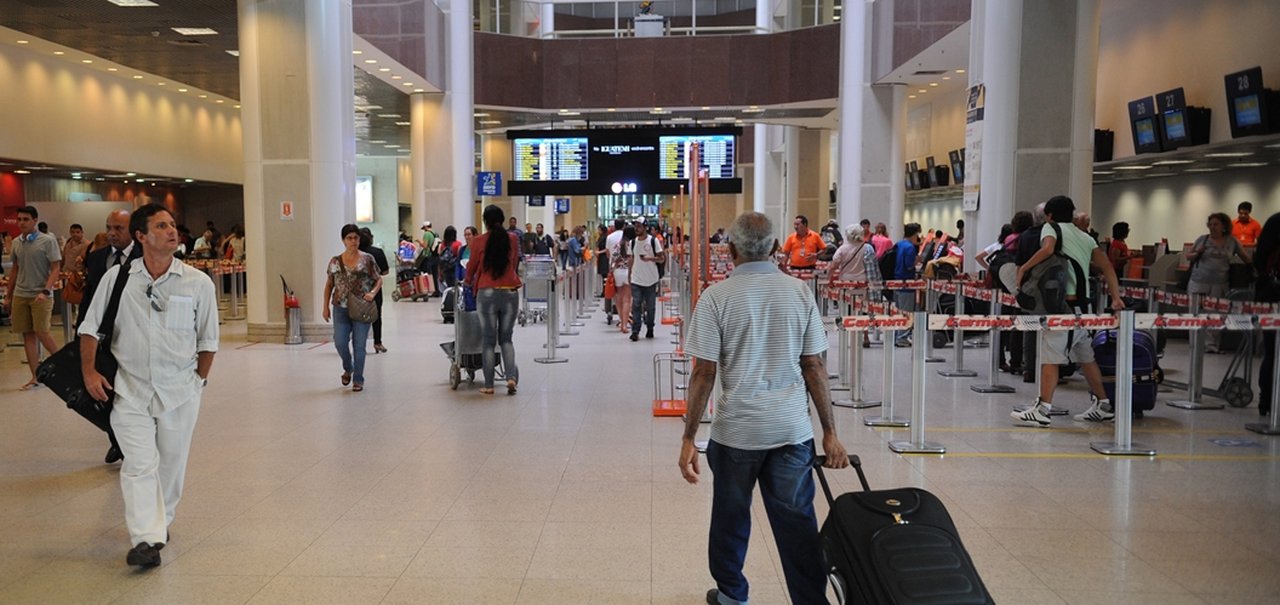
<point>933,84</point>
<point>946,77</point>
<point>131,174</point>
<point>419,90</point>
<point>112,69</point>
<point>189,180</point>
<point>137,77</point>
<point>388,115</point>
<point>611,109</point>
<point>922,90</point>
<point>357,52</point>
<point>490,122</point>
<point>219,101</point>
<point>24,41</point>
<point>86,61</point>
<point>406,84</point>
<point>911,96</point>
<point>59,53</point>
<point>959,71</point>
<point>1172,162</point>
<point>1247,164</point>
<point>201,96</point>
<point>1229,154</point>
<point>370,61</point>
<point>195,31</point>
<point>133,2</point>
<point>378,142</point>
<point>384,69</point>
<point>237,107</point>
<point>397,78</point>
<point>20,171</point>
<point>159,83</point>
<point>479,115</point>
<point>182,90</point>
<point>1133,167</point>
<point>402,123</point>
<point>392,146</point>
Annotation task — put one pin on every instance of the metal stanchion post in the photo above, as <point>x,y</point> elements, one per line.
<point>1123,444</point>
<point>957,342</point>
<point>843,338</point>
<point>1272,427</point>
<point>562,306</point>
<point>930,301</point>
<point>68,325</point>
<point>886,417</point>
<point>917,444</point>
<point>994,386</point>
<point>853,357</point>
<point>1195,382</point>
<point>574,309</point>
<point>553,338</point>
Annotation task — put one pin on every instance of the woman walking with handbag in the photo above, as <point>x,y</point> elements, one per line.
<point>351,284</point>
<point>491,273</point>
<point>1210,258</point>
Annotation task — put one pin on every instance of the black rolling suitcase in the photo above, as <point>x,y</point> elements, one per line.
<point>1146,368</point>
<point>895,547</point>
<point>449,303</point>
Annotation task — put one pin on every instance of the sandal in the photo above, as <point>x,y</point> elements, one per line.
<point>378,348</point>
<point>357,387</point>
<point>486,390</point>
<point>511,386</point>
<point>346,378</point>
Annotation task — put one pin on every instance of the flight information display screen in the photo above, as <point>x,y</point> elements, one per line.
<point>717,156</point>
<point>551,159</point>
<point>612,161</point>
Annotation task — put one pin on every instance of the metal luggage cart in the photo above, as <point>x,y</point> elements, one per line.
<point>465,352</point>
<point>537,272</point>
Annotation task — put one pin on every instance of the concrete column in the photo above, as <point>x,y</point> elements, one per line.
<point>299,147</point>
<point>786,206</point>
<point>459,103</point>
<point>548,20</point>
<point>429,144</point>
<point>1029,151</point>
<point>854,65</point>
<point>882,195</point>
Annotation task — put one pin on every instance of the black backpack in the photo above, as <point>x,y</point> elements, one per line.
<point>888,263</point>
<point>1044,290</point>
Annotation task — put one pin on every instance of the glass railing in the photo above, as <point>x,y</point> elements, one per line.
<point>603,19</point>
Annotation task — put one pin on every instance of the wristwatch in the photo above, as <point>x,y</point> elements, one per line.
<point>47,292</point>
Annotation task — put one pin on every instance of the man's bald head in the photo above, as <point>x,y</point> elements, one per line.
<point>118,228</point>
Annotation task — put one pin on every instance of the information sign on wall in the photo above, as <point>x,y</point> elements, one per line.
<point>562,205</point>
<point>489,183</point>
<point>975,108</point>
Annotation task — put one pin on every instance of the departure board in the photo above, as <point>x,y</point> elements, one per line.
<point>717,156</point>
<point>550,159</point>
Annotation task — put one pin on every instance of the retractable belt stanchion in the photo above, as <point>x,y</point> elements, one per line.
<point>886,417</point>
<point>1272,427</point>
<point>931,300</point>
<point>564,307</point>
<point>574,310</point>
<point>841,376</point>
<point>553,337</point>
<point>917,444</point>
<point>853,363</point>
<point>1195,382</point>
<point>994,386</point>
<point>1123,444</point>
<point>957,343</point>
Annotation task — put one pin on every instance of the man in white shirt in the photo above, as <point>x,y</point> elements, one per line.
<point>165,337</point>
<point>645,251</point>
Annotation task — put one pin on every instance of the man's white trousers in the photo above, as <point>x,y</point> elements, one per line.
<point>155,463</point>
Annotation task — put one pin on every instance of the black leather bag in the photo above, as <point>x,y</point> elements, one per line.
<point>62,374</point>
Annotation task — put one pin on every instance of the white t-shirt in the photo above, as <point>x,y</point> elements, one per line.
<point>643,272</point>
<point>613,242</point>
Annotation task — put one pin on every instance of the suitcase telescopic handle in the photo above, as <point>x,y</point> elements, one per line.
<point>854,461</point>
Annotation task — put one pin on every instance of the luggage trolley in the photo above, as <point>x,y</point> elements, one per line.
<point>465,351</point>
<point>537,288</point>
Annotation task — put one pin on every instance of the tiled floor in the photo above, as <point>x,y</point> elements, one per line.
<point>301,492</point>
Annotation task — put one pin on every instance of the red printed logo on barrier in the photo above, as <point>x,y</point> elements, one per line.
<point>945,287</point>
<point>969,322</point>
<point>1188,322</point>
<point>1008,300</point>
<point>904,284</point>
<point>972,292</point>
<point>855,285</point>
<point>1216,304</point>
<point>886,322</point>
<point>1087,322</point>
<point>1255,307</point>
<point>1268,322</point>
<point>1132,292</point>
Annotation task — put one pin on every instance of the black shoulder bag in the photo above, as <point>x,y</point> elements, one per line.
<point>62,374</point>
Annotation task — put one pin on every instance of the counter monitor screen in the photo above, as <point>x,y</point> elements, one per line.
<point>1247,111</point>
<point>1175,128</point>
<point>550,159</point>
<point>1146,130</point>
<point>717,155</point>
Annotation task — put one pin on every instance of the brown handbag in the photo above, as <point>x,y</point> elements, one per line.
<point>359,309</point>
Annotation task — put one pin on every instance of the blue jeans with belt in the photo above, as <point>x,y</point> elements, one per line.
<point>785,475</point>
<point>349,338</point>
<point>497,309</point>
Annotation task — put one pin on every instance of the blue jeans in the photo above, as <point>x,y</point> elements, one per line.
<point>349,338</point>
<point>497,310</point>
<point>643,300</point>
<point>785,475</point>
<point>906,301</point>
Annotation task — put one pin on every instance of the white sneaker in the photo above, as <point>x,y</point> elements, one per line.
<point>1099,411</point>
<point>1036,415</point>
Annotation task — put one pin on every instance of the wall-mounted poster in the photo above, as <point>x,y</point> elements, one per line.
<point>364,199</point>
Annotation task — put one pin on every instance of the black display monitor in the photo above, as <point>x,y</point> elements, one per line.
<point>1252,109</point>
<point>957,164</point>
<point>604,161</point>
<point>1146,132</point>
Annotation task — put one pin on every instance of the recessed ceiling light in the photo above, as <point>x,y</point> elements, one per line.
<point>1247,164</point>
<point>911,96</point>
<point>933,84</point>
<point>392,146</point>
<point>137,77</point>
<point>133,2</point>
<point>406,83</point>
<point>131,174</point>
<point>219,101</point>
<point>112,69</point>
<point>1133,168</point>
<point>490,121</point>
<point>86,61</point>
<point>479,115</point>
<point>388,115</point>
<point>234,53</point>
<point>202,96</point>
<point>24,41</point>
<point>384,69</point>
<point>378,142</point>
<point>189,180</point>
<point>946,77</point>
<point>75,174</point>
<point>657,109</point>
<point>59,53</point>
<point>1103,172</point>
<point>357,52</point>
<point>370,61</point>
<point>922,91</point>
<point>959,71</point>
<point>1201,170</point>
<point>182,90</point>
<point>195,31</point>
<point>403,123</point>
<point>159,83</point>
<point>397,77</point>
<point>76,177</point>
<point>99,179</point>
<point>704,108</point>
<point>1229,154</point>
<point>237,107</point>
<point>20,171</point>
<point>1173,162</point>
<point>611,109</point>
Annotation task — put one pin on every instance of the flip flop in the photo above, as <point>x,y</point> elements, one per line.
<point>30,386</point>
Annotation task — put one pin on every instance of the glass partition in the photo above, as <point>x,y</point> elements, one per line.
<point>618,19</point>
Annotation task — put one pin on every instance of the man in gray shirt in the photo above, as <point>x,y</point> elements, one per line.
<point>37,263</point>
<point>761,334</point>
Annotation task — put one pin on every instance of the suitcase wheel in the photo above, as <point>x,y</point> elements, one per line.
<point>1237,392</point>
<point>1157,375</point>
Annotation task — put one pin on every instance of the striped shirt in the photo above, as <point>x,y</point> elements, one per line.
<point>755,325</point>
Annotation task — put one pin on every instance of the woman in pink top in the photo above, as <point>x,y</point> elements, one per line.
<point>491,273</point>
<point>881,240</point>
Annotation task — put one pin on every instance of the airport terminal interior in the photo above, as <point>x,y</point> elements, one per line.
<point>291,118</point>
